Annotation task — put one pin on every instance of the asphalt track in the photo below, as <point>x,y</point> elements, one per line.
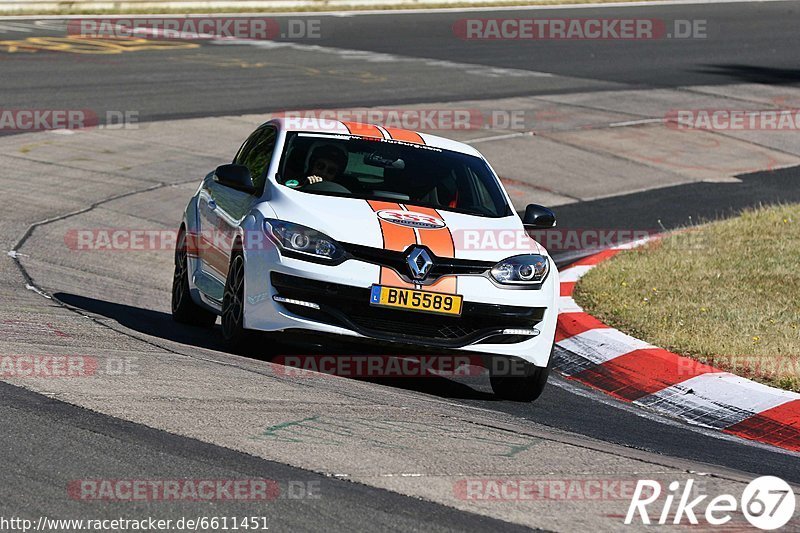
<point>564,405</point>
<point>745,42</point>
<point>748,43</point>
<point>68,438</point>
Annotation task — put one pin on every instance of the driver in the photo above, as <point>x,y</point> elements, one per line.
<point>327,162</point>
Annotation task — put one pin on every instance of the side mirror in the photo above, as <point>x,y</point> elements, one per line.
<point>538,217</point>
<point>236,177</point>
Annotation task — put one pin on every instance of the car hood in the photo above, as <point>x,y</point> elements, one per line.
<point>395,226</point>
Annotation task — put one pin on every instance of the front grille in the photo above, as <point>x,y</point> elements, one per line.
<point>442,266</point>
<point>349,307</point>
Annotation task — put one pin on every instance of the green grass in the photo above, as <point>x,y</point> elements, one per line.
<point>75,9</point>
<point>726,293</point>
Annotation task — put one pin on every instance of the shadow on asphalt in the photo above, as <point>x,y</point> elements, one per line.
<point>754,73</point>
<point>161,325</point>
<point>683,205</point>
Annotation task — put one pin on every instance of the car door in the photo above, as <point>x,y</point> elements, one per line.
<point>222,208</point>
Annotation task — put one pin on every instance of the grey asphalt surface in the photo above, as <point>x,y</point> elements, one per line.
<point>68,439</point>
<point>560,407</point>
<point>747,43</point>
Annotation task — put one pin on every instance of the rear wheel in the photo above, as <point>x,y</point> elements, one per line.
<point>184,310</point>
<point>518,381</point>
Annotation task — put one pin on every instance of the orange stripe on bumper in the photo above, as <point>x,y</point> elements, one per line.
<point>446,284</point>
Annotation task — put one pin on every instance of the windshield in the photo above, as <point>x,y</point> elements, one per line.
<point>373,169</point>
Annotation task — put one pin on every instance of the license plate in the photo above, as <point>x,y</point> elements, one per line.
<point>413,300</point>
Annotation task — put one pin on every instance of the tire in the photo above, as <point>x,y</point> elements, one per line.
<point>184,310</point>
<point>236,336</point>
<point>520,388</point>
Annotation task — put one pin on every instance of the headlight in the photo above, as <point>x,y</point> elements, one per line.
<point>296,238</point>
<point>521,269</point>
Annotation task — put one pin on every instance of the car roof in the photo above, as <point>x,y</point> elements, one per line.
<point>315,125</point>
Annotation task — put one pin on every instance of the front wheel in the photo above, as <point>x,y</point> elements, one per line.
<point>518,380</point>
<point>233,331</point>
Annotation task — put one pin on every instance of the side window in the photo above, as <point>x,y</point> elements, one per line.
<point>256,154</point>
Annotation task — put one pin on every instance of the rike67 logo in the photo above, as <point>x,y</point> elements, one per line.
<point>767,502</point>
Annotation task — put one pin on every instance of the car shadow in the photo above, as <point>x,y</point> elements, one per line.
<point>159,324</point>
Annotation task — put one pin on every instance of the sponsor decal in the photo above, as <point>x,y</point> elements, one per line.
<point>411,219</point>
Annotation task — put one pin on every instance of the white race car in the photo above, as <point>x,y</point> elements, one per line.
<point>338,228</point>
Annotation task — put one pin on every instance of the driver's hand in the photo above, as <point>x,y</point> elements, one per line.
<point>314,179</point>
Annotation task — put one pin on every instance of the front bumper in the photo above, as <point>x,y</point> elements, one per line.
<point>342,294</point>
<point>349,307</point>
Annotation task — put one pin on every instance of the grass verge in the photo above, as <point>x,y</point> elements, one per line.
<point>725,293</point>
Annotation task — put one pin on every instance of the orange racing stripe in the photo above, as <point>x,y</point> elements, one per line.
<point>404,135</point>
<point>396,238</point>
<point>440,242</point>
<point>363,130</point>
